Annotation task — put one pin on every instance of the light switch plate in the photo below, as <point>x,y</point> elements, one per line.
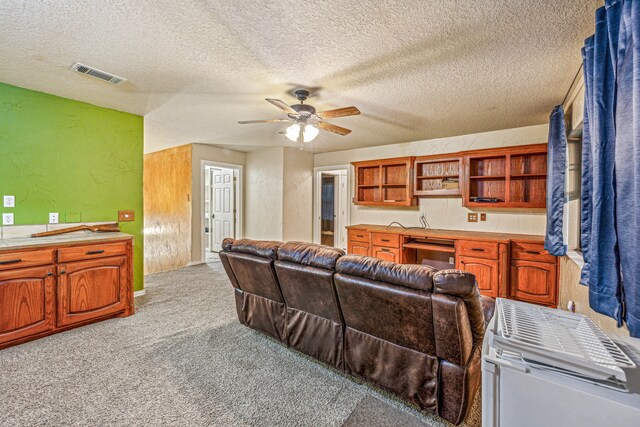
<point>472,217</point>
<point>7,219</point>
<point>53,217</point>
<point>9,201</point>
<point>483,217</point>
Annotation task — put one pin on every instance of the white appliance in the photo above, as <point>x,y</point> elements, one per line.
<point>547,367</point>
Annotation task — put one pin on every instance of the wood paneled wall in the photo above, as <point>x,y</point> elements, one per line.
<point>167,209</point>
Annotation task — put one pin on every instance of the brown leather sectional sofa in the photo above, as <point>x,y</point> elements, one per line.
<point>409,329</point>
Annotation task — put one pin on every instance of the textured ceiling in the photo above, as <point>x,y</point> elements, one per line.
<point>416,69</point>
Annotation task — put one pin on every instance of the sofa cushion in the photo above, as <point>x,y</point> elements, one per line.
<point>310,254</point>
<point>388,312</point>
<point>408,275</point>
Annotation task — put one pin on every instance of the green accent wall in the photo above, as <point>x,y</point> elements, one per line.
<point>70,157</point>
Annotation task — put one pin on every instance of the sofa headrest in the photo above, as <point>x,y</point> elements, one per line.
<point>263,248</point>
<point>310,254</point>
<point>408,275</point>
<point>227,242</point>
<point>454,282</point>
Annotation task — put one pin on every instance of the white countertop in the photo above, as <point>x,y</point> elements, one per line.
<point>62,239</point>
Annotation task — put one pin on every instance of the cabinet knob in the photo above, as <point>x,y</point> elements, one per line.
<point>63,271</point>
<point>49,274</point>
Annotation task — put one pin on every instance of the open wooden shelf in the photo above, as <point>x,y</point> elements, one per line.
<point>385,182</point>
<point>429,247</point>
<point>516,176</point>
<point>529,175</point>
<point>433,175</point>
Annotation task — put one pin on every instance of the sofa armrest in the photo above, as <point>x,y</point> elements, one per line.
<point>488,307</point>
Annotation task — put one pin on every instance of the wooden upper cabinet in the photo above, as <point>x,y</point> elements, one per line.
<point>437,176</point>
<point>91,289</point>
<point>27,302</point>
<point>386,182</point>
<point>512,177</point>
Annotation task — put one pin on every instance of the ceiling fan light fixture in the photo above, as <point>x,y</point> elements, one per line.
<point>309,132</point>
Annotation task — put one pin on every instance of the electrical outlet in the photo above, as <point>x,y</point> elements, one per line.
<point>9,201</point>
<point>7,219</point>
<point>472,217</point>
<point>53,217</point>
<point>483,217</point>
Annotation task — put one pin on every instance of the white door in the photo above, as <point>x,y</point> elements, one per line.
<point>223,209</point>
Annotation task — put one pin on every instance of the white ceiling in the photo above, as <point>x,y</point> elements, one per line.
<point>417,69</point>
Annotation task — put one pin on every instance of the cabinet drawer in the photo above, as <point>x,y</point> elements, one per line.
<point>77,253</point>
<point>488,250</point>
<point>531,252</point>
<point>11,260</point>
<point>388,240</point>
<point>356,235</point>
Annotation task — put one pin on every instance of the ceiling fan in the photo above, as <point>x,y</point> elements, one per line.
<point>307,123</point>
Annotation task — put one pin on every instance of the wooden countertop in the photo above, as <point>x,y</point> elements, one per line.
<point>81,237</point>
<point>450,234</point>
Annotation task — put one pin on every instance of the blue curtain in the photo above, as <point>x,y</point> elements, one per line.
<point>626,30</point>
<point>556,164</point>
<point>610,197</point>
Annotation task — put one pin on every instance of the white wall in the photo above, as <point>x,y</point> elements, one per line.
<point>264,194</point>
<point>446,213</point>
<point>298,195</point>
<point>200,152</point>
<point>279,194</point>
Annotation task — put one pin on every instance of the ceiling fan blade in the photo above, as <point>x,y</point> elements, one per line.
<point>333,128</point>
<point>282,105</point>
<point>248,122</point>
<point>339,112</point>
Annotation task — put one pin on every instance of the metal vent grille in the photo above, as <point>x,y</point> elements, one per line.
<point>569,341</point>
<point>99,74</point>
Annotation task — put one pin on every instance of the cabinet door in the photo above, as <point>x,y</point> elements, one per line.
<point>27,302</point>
<point>387,254</point>
<point>533,282</point>
<point>91,289</point>
<point>358,248</point>
<point>486,272</point>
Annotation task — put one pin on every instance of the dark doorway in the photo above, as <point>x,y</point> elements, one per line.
<point>328,211</point>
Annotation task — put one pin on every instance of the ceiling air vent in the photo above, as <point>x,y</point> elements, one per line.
<point>98,74</point>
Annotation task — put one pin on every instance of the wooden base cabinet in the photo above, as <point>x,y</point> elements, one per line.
<point>386,254</point>
<point>78,285</point>
<point>515,267</point>
<point>27,302</point>
<point>486,272</point>
<point>358,248</point>
<point>91,289</point>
